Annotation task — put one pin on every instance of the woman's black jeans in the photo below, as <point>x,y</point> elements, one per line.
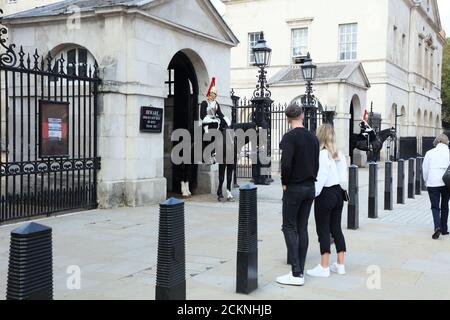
<point>328,214</point>
<point>439,195</point>
<point>297,202</point>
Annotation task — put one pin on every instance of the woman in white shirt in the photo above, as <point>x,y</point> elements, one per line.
<point>434,166</point>
<point>329,203</point>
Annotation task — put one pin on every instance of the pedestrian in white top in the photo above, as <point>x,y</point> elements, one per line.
<point>329,202</point>
<point>434,166</point>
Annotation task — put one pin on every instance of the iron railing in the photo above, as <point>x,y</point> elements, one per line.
<point>32,182</point>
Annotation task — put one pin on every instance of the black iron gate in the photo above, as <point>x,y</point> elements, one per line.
<point>408,148</point>
<point>427,144</point>
<point>243,112</point>
<point>48,112</point>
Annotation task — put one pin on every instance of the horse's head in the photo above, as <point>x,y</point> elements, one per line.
<point>393,132</point>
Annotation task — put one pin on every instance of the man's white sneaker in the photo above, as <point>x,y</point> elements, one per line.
<point>290,280</point>
<point>319,272</point>
<point>338,268</point>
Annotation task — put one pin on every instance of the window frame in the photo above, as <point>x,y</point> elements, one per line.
<point>294,29</point>
<point>347,43</point>
<point>80,69</point>
<point>250,47</point>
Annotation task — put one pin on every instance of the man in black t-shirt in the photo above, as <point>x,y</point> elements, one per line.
<point>299,168</point>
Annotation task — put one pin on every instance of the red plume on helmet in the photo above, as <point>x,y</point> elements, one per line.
<point>212,87</point>
<point>366,115</point>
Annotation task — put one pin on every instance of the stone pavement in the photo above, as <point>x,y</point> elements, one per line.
<point>116,251</point>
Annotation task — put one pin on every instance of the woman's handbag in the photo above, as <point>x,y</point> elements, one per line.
<point>345,195</point>
<point>446,178</point>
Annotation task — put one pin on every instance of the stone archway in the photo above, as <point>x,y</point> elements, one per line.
<point>403,122</point>
<point>355,118</point>
<point>181,111</point>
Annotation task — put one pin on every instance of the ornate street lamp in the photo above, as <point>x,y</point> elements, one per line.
<point>262,53</point>
<point>309,69</point>
<point>262,109</point>
<point>309,104</point>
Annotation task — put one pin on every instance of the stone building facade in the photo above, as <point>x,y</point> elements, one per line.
<point>397,42</point>
<point>150,53</point>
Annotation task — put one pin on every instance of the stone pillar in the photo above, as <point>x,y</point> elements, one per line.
<point>145,182</point>
<point>111,148</point>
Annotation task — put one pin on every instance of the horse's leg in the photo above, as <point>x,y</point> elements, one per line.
<point>184,169</point>
<point>222,168</point>
<point>187,178</point>
<point>230,169</point>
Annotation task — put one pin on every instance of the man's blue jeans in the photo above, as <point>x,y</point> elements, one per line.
<point>439,197</point>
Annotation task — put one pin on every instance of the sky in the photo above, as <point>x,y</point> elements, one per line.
<point>221,7</point>
<point>444,10</point>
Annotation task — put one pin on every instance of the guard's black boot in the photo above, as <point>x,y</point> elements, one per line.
<point>436,234</point>
<point>220,196</point>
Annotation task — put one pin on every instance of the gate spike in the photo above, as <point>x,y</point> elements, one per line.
<point>95,69</point>
<point>49,61</point>
<point>21,55</point>
<point>28,61</point>
<point>36,60</point>
<point>61,61</point>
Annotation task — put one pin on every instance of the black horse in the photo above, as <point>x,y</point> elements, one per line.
<point>373,150</point>
<point>230,147</point>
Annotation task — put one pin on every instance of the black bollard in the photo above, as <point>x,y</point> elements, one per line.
<point>30,270</point>
<point>247,247</point>
<point>401,182</point>
<point>353,203</point>
<point>388,187</point>
<point>418,176</point>
<point>373,190</point>
<point>424,185</point>
<point>411,178</point>
<point>171,264</point>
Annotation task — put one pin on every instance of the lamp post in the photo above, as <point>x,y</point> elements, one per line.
<point>395,144</point>
<point>262,107</point>
<point>309,104</point>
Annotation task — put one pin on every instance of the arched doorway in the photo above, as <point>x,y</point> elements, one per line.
<point>403,122</point>
<point>355,117</point>
<point>181,110</point>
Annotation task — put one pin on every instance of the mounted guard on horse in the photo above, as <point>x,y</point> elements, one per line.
<point>367,133</point>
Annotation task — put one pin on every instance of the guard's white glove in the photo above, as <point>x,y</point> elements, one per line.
<point>210,119</point>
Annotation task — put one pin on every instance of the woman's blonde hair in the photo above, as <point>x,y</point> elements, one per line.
<point>327,140</point>
<point>442,138</point>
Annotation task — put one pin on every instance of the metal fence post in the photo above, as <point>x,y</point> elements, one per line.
<point>418,176</point>
<point>411,178</point>
<point>401,182</point>
<point>353,203</point>
<point>388,187</point>
<point>171,265</point>
<point>30,271</point>
<point>373,190</point>
<point>247,249</point>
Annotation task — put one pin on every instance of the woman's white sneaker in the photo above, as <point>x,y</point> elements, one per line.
<point>290,280</point>
<point>338,268</point>
<point>319,272</point>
